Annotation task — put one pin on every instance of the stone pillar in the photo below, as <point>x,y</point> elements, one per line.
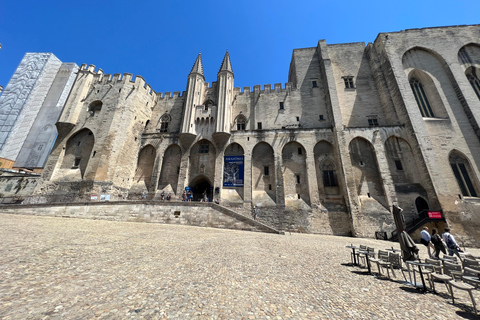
<point>312,179</point>
<point>384,169</point>
<point>218,178</point>
<point>182,176</point>
<point>247,178</point>
<point>279,183</point>
<point>157,167</point>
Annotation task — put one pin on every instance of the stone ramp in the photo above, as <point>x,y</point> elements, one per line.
<point>169,212</point>
<point>264,227</point>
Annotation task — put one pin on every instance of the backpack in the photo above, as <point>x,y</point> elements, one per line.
<point>436,240</point>
<point>450,244</point>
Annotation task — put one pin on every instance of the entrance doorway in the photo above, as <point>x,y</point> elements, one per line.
<point>200,188</point>
<point>421,204</point>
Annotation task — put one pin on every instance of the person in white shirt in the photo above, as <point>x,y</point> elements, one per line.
<point>426,240</point>
<point>452,245</point>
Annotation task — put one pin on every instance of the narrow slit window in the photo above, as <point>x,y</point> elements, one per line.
<point>266,171</point>
<point>282,106</point>
<point>259,125</point>
<point>398,165</point>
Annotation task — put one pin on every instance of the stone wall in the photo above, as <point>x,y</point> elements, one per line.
<point>198,214</point>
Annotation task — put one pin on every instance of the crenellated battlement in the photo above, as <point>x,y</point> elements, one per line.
<point>267,88</point>
<point>118,78</point>
<point>169,95</point>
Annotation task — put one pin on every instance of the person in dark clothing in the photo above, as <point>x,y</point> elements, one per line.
<point>437,243</point>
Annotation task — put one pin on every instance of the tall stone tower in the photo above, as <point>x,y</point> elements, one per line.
<point>194,97</point>
<point>224,101</point>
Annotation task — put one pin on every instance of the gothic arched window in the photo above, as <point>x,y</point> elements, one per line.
<point>241,122</point>
<point>463,174</point>
<point>329,175</point>
<point>164,121</point>
<point>421,98</point>
<point>474,81</point>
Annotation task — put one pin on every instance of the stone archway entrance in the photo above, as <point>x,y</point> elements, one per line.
<point>421,204</point>
<point>201,186</point>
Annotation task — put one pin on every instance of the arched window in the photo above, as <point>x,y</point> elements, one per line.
<point>463,174</point>
<point>421,98</point>
<point>241,122</point>
<point>329,175</point>
<point>164,121</point>
<point>474,81</point>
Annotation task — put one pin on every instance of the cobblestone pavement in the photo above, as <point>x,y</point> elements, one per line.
<point>58,268</point>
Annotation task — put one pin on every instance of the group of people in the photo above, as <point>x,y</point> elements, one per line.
<point>162,196</point>
<point>187,196</point>
<point>440,243</point>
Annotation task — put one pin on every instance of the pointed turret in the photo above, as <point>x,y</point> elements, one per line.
<point>226,64</point>
<point>193,98</point>
<point>224,101</point>
<point>198,66</point>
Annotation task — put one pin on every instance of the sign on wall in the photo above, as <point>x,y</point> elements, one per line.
<point>233,171</point>
<point>434,214</point>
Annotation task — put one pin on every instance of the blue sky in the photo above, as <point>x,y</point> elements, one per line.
<point>160,40</point>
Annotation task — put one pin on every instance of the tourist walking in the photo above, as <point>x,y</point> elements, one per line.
<point>426,240</point>
<point>452,245</point>
<point>437,243</point>
<point>255,213</point>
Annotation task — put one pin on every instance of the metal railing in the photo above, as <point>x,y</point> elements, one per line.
<point>417,222</point>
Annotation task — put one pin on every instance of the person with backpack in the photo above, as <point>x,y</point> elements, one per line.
<point>452,245</point>
<point>437,243</point>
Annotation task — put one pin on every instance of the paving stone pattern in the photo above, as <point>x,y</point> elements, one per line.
<point>60,268</point>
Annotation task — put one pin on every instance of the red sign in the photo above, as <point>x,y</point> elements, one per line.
<point>434,214</point>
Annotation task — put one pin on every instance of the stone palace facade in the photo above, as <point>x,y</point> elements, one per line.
<point>356,129</point>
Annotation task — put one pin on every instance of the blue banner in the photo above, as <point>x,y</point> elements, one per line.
<point>233,171</point>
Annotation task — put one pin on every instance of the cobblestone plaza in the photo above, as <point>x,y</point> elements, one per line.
<point>59,268</point>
